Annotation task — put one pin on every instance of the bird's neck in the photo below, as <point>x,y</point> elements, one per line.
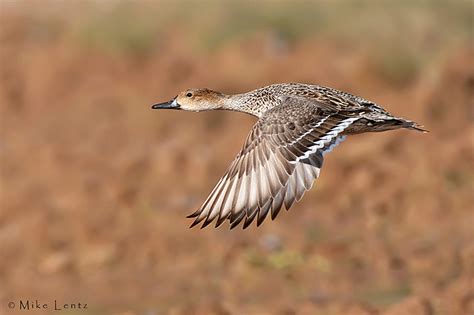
<point>243,103</point>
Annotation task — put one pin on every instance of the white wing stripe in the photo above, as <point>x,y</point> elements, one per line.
<point>327,138</point>
<point>309,131</point>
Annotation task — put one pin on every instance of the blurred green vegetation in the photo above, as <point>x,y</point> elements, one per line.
<point>383,297</point>
<point>120,31</point>
<point>287,260</point>
<point>404,29</point>
<point>407,36</point>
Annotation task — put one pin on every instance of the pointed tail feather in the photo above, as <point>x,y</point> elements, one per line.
<point>378,125</point>
<point>403,123</point>
<point>414,126</point>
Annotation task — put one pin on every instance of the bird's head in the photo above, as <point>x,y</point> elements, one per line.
<point>194,100</point>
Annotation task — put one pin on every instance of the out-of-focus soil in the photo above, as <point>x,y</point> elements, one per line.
<point>95,186</point>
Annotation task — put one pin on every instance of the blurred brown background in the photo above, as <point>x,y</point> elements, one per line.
<point>95,186</point>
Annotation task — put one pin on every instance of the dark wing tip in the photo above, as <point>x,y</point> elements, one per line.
<point>250,217</point>
<point>264,211</point>
<point>193,224</point>
<point>194,214</point>
<point>206,223</point>
<point>220,220</point>
<point>196,222</point>
<point>235,219</point>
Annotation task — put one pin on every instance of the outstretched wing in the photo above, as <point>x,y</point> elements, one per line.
<point>279,161</point>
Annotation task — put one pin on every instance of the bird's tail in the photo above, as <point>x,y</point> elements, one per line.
<point>414,126</point>
<point>397,123</point>
<point>378,124</point>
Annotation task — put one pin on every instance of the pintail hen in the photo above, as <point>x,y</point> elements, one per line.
<point>283,154</point>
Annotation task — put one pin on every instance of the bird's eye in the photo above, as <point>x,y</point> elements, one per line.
<point>189,94</point>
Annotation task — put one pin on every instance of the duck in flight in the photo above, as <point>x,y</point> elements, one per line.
<point>284,152</point>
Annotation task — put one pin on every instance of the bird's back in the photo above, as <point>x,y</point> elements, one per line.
<point>296,100</point>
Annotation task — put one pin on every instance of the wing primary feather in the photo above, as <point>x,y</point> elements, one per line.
<point>262,214</point>
<point>254,187</point>
<point>194,214</point>
<point>290,193</point>
<point>264,186</point>
<point>212,196</point>
<point>250,217</point>
<point>278,203</point>
<point>299,183</point>
<point>206,223</point>
<point>272,177</point>
<point>236,220</point>
<point>227,202</point>
<point>214,209</point>
<point>196,222</point>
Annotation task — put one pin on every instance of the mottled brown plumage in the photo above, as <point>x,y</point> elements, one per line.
<point>283,154</point>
